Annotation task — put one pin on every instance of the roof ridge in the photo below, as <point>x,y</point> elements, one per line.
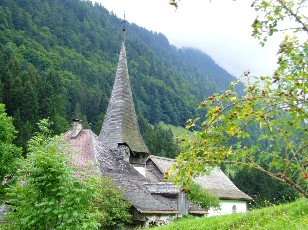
<point>164,158</point>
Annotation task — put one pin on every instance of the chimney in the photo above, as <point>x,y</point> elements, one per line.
<point>182,203</point>
<point>76,127</point>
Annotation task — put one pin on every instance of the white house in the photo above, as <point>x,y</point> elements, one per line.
<point>232,199</point>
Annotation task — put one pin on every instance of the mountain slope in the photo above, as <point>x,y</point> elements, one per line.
<point>58,59</point>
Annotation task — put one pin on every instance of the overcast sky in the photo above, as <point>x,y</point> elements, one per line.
<point>220,28</point>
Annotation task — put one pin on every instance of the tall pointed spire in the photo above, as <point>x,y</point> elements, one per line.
<point>120,124</point>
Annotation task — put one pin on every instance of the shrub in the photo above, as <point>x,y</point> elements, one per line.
<point>202,197</point>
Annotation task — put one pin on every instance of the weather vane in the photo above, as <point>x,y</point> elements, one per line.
<point>123,28</point>
<point>123,23</point>
<point>174,3</point>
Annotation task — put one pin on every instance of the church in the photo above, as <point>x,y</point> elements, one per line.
<point>120,153</point>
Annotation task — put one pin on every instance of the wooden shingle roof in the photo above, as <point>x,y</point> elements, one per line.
<point>131,181</point>
<point>217,183</point>
<point>145,196</point>
<point>120,124</point>
<point>88,149</point>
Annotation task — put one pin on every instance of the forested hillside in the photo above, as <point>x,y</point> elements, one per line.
<point>58,59</point>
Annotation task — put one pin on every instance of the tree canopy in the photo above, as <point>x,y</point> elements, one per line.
<point>266,128</point>
<point>46,193</point>
<point>50,193</point>
<point>58,59</point>
<point>9,153</point>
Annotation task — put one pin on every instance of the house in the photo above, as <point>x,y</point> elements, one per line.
<point>232,200</point>
<point>121,154</point>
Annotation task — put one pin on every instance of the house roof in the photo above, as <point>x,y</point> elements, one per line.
<point>81,146</point>
<point>217,183</point>
<point>145,196</point>
<point>221,186</point>
<point>120,123</point>
<point>88,149</point>
<point>163,164</point>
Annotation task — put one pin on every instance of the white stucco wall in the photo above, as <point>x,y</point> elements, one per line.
<point>229,207</point>
<point>141,170</point>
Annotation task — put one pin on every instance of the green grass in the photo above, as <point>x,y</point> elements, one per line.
<point>293,216</point>
<point>176,130</point>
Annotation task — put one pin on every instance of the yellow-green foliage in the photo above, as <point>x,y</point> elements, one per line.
<point>202,197</point>
<point>287,216</point>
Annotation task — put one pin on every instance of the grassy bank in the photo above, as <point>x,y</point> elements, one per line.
<point>287,216</point>
<point>176,130</point>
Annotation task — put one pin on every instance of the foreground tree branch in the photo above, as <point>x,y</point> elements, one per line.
<point>266,128</point>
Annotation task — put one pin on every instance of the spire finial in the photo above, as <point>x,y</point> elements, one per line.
<point>123,28</point>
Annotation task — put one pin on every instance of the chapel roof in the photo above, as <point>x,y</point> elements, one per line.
<point>120,123</point>
<point>81,148</point>
<point>87,149</point>
<point>217,183</point>
<point>145,196</point>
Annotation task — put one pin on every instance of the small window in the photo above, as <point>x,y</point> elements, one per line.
<point>234,209</point>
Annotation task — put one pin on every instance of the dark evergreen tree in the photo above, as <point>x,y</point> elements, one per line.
<point>56,54</point>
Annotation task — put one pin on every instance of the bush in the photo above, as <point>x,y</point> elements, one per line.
<point>202,197</point>
<point>112,206</point>
<point>47,194</point>
<point>50,193</point>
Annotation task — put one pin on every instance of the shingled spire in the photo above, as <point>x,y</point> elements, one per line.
<point>120,125</point>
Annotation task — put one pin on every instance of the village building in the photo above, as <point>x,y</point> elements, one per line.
<point>232,200</point>
<point>121,154</point>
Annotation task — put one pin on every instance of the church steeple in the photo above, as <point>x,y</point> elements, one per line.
<point>120,125</point>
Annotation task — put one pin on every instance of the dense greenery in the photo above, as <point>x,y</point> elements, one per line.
<point>288,216</point>
<point>9,153</point>
<point>202,197</point>
<point>261,187</point>
<point>275,106</point>
<point>46,194</point>
<point>58,60</point>
<point>160,140</point>
<point>111,205</point>
<point>50,193</point>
